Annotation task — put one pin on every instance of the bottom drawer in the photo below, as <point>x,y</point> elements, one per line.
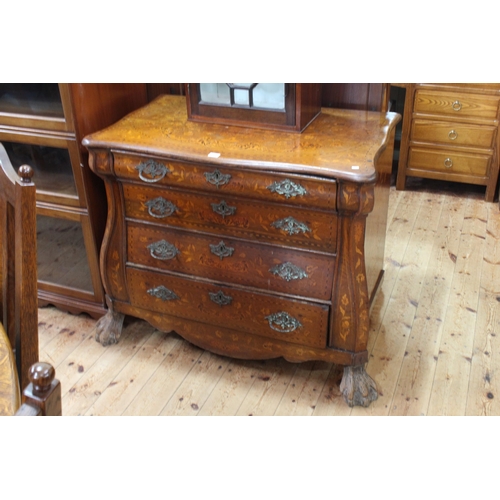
<point>293,321</point>
<point>448,162</point>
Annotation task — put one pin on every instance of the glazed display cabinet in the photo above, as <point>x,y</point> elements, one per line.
<point>42,124</point>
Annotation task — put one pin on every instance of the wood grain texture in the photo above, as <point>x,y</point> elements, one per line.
<point>163,129</point>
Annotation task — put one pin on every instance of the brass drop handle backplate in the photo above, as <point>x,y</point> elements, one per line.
<point>448,163</point>
<point>452,134</point>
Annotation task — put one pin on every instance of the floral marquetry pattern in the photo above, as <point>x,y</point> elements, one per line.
<point>258,234</point>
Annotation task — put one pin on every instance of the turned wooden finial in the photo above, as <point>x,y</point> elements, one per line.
<point>41,376</point>
<point>26,173</point>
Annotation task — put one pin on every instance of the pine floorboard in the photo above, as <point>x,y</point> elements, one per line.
<point>433,348</point>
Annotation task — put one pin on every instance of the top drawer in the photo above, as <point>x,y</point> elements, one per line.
<point>289,188</point>
<point>456,104</point>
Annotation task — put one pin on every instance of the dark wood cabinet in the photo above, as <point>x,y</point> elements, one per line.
<point>276,106</point>
<point>42,124</point>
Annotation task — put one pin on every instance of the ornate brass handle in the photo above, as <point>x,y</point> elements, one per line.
<point>288,271</point>
<point>456,106</point>
<point>162,250</point>
<point>291,226</point>
<point>287,188</point>
<point>223,209</point>
<point>452,134</point>
<point>160,208</point>
<point>163,293</point>
<point>282,322</point>
<point>152,171</point>
<point>448,163</point>
<point>221,250</point>
<point>220,299</point>
<point>217,178</point>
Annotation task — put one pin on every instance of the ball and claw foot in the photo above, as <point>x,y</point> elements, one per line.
<point>357,387</point>
<point>109,328</point>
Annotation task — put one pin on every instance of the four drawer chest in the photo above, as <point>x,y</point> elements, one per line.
<point>250,243</point>
<point>450,132</point>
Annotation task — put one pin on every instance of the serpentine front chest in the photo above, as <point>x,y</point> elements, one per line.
<point>250,243</point>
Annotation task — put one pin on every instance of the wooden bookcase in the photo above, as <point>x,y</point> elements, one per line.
<point>42,124</point>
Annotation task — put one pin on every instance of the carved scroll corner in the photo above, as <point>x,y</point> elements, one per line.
<point>357,198</point>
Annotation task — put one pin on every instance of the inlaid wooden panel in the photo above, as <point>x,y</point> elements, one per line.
<point>303,322</point>
<point>291,188</point>
<point>230,216</point>
<point>267,267</point>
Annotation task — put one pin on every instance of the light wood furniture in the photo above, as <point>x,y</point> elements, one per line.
<point>249,243</point>
<point>450,132</point>
<point>42,124</point>
<point>18,305</point>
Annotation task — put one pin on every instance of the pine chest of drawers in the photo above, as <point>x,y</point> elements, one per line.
<point>450,132</point>
<point>249,243</point>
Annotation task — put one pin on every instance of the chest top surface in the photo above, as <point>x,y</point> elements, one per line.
<point>331,146</point>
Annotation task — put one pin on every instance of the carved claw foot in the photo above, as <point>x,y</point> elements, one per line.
<point>357,387</point>
<point>109,328</point>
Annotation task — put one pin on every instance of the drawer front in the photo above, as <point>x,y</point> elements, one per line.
<point>456,104</point>
<point>232,217</point>
<point>293,321</point>
<point>228,260</point>
<point>292,189</point>
<point>448,162</point>
<point>453,133</point>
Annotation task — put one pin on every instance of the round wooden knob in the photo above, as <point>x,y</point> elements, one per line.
<point>26,173</point>
<point>41,376</point>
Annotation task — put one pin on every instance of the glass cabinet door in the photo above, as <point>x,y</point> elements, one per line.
<point>41,106</point>
<point>62,256</point>
<point>36,99</point>
<point>53,173</point>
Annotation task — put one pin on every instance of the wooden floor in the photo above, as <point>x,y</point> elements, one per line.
<point>434,340</point>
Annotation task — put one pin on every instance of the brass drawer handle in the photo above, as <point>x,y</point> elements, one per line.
<point>282,322</point>
<point>291,226</point>
<point>223,209</point>
<point>163,293</point>
<point>217,178</point>
<point>220,299</point>
<point>160,208</point>
<point>152,171</point>
<point>448,163</point>
<point>287,188</point>
<point>288,271</point>
<point>456,106</point>
<point>452,134</point>
<point>163,250</point>
<point>221,250</point>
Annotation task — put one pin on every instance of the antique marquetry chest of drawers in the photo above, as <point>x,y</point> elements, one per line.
<point>247,242</point>
<point>450,132</point>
